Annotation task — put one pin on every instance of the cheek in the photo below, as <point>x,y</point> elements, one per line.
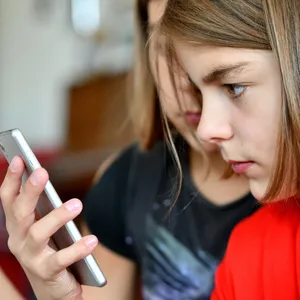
<point>257,126</point>
<point>166,91</point>
<point>171,110</point>
<point>209,147</point>
<point>255,130</point>
<point>266,123</point>
<point>164,80</point>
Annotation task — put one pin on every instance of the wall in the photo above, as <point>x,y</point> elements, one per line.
<point>39,57</point>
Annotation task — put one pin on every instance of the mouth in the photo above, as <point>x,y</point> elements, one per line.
<point>193,117</point>
<point>240,167</point>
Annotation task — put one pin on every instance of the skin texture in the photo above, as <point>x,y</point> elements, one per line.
<point>241,109</point>
<point>7,289</point>
<point>218,191</point>
<point>174,110</point>
<point>46,268</point>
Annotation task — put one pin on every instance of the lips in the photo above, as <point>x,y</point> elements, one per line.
<point>193,118</point>
<point>240,167</point>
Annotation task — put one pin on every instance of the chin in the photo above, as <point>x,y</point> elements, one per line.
<point>258,189</point>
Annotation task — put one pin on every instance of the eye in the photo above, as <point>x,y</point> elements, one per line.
<point>234,90</point>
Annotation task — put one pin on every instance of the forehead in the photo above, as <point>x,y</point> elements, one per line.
<point>156,9</point>
<point>198,60</point>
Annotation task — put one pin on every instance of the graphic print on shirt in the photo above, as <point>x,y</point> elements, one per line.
<point>171,271</point>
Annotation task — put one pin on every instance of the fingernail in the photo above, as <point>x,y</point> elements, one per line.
<point>73,205</point>
<point>14,165</point>
<point>91,241</point>
<point>35,179</point>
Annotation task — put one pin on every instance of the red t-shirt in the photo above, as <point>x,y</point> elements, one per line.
<point>263,256</point>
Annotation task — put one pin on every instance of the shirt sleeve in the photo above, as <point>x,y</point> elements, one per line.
<point>105,206</point>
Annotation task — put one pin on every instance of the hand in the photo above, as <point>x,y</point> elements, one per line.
<point>29,239</point>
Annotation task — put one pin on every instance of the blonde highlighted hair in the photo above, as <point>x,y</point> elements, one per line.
<point>146,115</point>
<point>144,107</point>
<point>253,24</point>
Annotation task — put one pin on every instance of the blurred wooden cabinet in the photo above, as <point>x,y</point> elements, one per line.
<point>98,114</point>
<point>97,126</point>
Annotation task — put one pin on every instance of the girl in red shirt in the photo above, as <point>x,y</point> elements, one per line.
<point>243,57</point>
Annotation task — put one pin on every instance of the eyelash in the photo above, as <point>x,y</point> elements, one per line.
<point>225,86</point>
<point>230,87</point>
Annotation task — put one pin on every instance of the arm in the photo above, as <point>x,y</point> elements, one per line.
<point>46,268</point>
<point>120,273</point>
<point>104,166</point>
<point>8,291</point>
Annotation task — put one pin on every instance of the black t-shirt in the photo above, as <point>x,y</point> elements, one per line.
<point>177,252</point>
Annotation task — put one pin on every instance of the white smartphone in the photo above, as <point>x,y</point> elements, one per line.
<point>86,271</point>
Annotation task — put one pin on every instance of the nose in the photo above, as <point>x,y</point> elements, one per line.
<point>215,123</point>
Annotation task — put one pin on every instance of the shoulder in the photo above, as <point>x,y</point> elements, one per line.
<point>110,185</point>
<point>118,160</point>
<point>274,223</point>
<point>266,246</point>
<point>124,159</point>
<point>269,217</point>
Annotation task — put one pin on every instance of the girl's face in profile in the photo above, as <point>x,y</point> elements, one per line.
<point>241,93</point>
<point>185,116</point>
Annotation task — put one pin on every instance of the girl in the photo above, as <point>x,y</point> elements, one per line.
<point>176,258</point>
<point>243,57</point>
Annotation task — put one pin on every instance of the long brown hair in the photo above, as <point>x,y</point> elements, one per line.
<point>145,113</point>
<point>254,24</point>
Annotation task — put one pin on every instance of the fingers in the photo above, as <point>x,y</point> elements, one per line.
<point>41,231</point>
<point>19,204</point>
<point>25,203</point>
<point>49,264</point>
<point>12,182</point>
<point>28,239</point>
<point>64,258</point>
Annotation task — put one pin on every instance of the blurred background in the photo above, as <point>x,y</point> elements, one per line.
<point>63,71</point>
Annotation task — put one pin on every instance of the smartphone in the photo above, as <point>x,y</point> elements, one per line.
<point>86,271</point>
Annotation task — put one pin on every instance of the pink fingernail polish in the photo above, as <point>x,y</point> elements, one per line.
<point>35,179</point>
<point>14,165</point>
<point>91,241</point>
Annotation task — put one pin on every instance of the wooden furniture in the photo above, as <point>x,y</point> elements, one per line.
<point>98,115</point>
<point>97,126</point>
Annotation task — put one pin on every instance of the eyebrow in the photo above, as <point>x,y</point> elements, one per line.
<point>223,71</point>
